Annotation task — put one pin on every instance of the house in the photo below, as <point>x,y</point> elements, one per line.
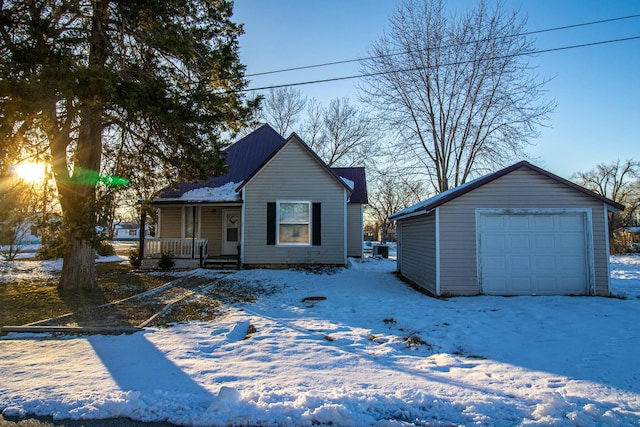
<point>519,231</point>
<point>129,230</point>
<point>278,205</point>
<point>626,240</point>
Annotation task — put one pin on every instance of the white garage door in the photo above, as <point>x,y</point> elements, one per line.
<point>525,253</point>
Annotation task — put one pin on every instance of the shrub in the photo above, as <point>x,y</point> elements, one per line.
<point>165,262</point>
<point>105,249</point>
<point>134,258</point>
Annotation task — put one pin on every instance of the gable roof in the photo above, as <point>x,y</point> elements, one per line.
<point>296,138</point>
<point>242,159</point>
<point>446,196</point>
<point>245,159</point>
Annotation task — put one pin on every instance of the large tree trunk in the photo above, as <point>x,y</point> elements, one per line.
<point>79,196</point>
<point>78,269</point>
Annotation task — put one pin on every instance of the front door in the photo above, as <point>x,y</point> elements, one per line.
<point>230,232</point>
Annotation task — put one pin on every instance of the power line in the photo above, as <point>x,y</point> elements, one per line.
<point>359,76</point>
<point>528,33</point>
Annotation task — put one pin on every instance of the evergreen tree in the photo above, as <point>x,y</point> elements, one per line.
<point>155,81</point>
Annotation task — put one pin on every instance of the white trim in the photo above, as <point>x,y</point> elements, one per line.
<point>184,219</point>
<point>310,223</point>
<point>396,218</point>
<point>437,237</point>
<point>608,249</point>
<point>362,230</point>
<point>159,224</point>
<point>345,225</point>
<point>242,215</point>
<point>223,239</point>
<point>588,230</point>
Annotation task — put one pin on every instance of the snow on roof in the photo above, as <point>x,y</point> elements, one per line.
<point>349,183</point>
<point>432,200</point>
<point>223,193</point>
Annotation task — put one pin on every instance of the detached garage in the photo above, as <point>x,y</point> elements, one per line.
<point>518,231</point>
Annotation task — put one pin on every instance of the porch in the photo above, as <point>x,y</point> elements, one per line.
<point>186,253</point>
<point>196,236</point>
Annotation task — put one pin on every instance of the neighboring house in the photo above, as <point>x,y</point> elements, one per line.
<point>519,231</point>
<point>128,231</point>
<point>627,240</point>
<point>26,233</point>
<point>278,205</point>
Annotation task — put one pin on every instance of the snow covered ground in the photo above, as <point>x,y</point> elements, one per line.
<point>374,352</point>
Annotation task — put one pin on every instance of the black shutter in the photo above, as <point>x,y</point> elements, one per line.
<point>316,230</point>
<point>271,223</point>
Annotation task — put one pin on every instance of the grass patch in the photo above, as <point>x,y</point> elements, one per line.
<point>37,298</point>
<point>194,308</point>
<point>27,301</point>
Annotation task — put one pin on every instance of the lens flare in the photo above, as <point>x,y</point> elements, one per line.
<point>30,172</point>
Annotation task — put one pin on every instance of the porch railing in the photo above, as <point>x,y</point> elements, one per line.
<point>176,248</point>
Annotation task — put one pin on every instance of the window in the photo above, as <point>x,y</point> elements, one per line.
<point>294,223</point>
<point>190,222</point>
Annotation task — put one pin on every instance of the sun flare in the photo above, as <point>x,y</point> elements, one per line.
<point>30,172</point>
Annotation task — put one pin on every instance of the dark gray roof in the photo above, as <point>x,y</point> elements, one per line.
<point>243,158</point>
<point>442,198</point>
<point>358,176</point>
<point>247,156</point>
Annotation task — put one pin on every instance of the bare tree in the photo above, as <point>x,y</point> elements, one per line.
<point>391,192</point>
<point>349,136</point>
<point>342,134</point>
<point>620,182</point>
<point>455,90</point>
<point>282,108</point>
<point>313,125</point>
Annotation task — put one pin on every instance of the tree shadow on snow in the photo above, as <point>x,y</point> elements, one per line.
<point>138,366</point>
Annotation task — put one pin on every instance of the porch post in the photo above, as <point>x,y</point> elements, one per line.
<point>193,233</point>
<point>143,220</point>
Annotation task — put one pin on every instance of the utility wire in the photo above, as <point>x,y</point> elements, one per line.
<point>358,76</point>
<point>528,33</point>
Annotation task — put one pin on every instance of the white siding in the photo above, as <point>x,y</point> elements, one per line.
<point>293,174</point>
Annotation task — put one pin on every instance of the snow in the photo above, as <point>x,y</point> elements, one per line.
<point>422,204</point>
<point>374,352</point>
<point>349,182</point>
<point>224,193</point>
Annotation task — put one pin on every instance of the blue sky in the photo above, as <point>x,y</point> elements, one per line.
<point>597,89</point>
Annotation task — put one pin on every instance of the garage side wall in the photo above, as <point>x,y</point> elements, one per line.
<point>522,188</point>
<point>417,251</point>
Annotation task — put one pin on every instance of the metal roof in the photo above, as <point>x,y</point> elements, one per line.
<point>243,158</point>
<point>359,178</point>
<point>247,156</point>
<point>442,198</point>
